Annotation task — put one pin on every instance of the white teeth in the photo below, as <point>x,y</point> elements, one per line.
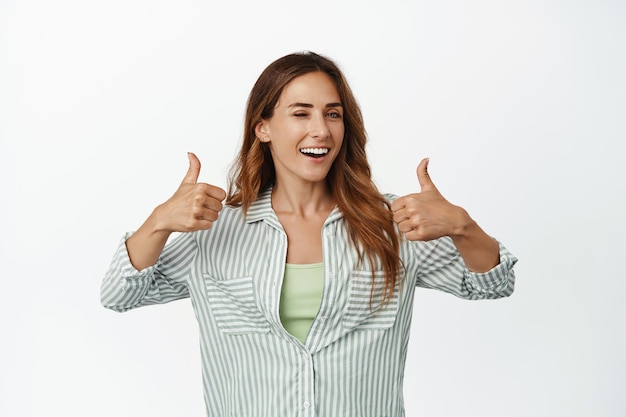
<point>316,151</point>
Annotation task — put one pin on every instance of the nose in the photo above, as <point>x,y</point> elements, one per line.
<point>318,128</point>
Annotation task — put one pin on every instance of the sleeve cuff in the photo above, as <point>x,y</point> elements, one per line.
<point>499,279</point>
<point>129,274</point>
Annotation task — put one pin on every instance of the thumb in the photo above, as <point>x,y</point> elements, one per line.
<point>423,177</point>
<point>194,169</point>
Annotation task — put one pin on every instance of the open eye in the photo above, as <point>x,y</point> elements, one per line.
<point>333,115</point>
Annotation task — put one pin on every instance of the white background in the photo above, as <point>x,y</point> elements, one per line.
<point>519,104</point>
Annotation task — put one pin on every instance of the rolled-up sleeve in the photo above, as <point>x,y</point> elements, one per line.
<point>440,266</point>
<point>124,287</point>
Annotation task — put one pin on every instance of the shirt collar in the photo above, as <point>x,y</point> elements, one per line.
<point>261,208</point>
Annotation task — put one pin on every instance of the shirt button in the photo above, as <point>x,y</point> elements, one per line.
<point>306,404</point>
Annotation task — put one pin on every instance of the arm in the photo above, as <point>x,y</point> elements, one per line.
<point>440,266</point>
<point>125,287</point>
<point>479,251</point>
<point>142,271</point>
<point>427,215</point>
<point>451,233</point>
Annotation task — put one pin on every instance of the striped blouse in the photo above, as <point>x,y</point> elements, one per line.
<point>352,361</point>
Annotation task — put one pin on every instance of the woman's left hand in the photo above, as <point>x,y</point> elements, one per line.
<point>427,215</point>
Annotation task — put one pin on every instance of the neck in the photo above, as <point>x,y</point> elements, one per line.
<point>302,200</point>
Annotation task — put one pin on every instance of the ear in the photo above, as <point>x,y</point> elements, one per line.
<point>261,131</point>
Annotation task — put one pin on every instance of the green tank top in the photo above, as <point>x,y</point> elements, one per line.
<point>300,297</point>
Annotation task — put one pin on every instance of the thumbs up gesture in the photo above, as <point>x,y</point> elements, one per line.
<point>427,215</point>
<point>194,206</point>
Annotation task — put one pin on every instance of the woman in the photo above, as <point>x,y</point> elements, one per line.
<point>303,281</point>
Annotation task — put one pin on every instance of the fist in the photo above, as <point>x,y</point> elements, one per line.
<point>194,206</point>
<point>426,215</point>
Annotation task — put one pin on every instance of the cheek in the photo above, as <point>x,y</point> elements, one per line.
<point>341,133</point>
<point>338,132</point>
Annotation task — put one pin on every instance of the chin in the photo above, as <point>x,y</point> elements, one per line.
<point>317,177</point>
<point>315,180</point>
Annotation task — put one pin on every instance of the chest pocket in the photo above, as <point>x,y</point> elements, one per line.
<point>359,313</point>
<point>233,305</point>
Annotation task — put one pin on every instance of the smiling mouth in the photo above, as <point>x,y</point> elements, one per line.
<point>314,152</point>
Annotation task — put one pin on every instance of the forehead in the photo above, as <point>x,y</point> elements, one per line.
<point>310,88</point>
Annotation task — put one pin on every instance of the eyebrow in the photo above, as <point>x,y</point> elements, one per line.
<point>308,105</point>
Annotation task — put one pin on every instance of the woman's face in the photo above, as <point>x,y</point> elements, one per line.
<point>306,131</point>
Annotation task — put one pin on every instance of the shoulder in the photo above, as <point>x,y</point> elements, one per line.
<point>231,214</point>
<point>390,197</point>
<point>229,218</point>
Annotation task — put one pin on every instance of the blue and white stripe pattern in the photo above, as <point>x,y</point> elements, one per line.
<point>352,363</point>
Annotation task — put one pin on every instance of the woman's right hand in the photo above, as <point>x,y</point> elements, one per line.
<point>194,206</point>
